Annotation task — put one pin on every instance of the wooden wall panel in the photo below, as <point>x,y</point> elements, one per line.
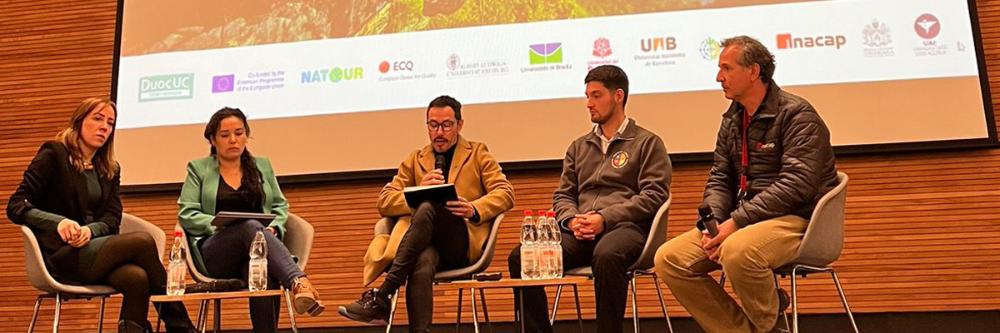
<point>922,228</point>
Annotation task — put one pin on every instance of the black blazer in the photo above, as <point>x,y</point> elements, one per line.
<point>53,185</point>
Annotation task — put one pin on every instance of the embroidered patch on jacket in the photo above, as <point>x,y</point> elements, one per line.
<point>761,147</point>
<point>619,159</point>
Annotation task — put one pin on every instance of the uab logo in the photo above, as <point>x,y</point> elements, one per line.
<point>165,87</point>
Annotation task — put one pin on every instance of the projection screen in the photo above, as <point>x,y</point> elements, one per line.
<point>340,86</point>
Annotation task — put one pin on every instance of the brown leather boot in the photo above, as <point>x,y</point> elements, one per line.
<point>306,298</point>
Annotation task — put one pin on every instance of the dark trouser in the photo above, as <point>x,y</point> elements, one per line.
<point>436,239</point>
<point>610,255</point>
<point>227,256</point>
<point>130,263</point>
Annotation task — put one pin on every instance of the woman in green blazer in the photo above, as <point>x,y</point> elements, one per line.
<point>231,179</point>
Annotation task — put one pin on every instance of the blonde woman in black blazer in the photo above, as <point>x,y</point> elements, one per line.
<point>69,199</point>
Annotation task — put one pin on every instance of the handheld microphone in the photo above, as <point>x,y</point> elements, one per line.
<point>439,164</point>
<point>707,220</point>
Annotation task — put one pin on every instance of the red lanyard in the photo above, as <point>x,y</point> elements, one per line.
<point>744,155</point>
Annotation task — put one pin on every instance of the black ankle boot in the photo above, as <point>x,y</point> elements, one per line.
<point>175,317</point>
<point>128,326</point>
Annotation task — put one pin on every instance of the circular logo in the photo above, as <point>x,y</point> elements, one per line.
<point>710,49</point>
<point>619,159</point>
<point>453,62</point>
<point>336,74</point>
<point>927,26</point>
<point>383,67</point>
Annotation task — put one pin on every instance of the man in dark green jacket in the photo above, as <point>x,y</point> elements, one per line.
<point>614,180</point>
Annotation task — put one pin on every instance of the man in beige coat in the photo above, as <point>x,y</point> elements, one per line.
<point>437,235</point>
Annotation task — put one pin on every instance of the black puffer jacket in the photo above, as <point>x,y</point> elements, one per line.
<point>791,164</point>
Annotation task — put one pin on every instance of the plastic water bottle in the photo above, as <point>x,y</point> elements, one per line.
<point>529,250</point>
<point>258,263</point>
<point>545,268</point>
<point>555,241</point>
<point>176,267</point>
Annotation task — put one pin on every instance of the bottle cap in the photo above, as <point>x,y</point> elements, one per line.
<point>528,212</point>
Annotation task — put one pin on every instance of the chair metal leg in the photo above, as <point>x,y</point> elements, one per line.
<point>458,318</point>
<point>579,314</point>
<point>843,299</point>
<point>291,310</point>
<point>486,311</point>
<point>722,280</point>
<point>475,310</point>
<point>55,320</point>
<point>663,305</point>
<point>795,302</point>
<point>100,318</point>
<point>203,316</point>
<point>555,305</point>
<point>34,314</point>
<point>392,312</point>
<point>635,306</point>
<point>218,316</point>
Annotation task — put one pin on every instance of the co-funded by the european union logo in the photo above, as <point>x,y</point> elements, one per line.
<point>164,87</point>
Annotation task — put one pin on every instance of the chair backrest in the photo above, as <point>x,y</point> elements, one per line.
<point>132,223</point>
<point>193,269</point>
<point>824,237</point>
<point>657,236</point>
<point>34,263</point>
<point>299,238</point>
<point>484,261</point>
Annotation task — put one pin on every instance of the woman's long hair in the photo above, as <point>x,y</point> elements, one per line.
<point>252,178</point>
<point>104,158</point>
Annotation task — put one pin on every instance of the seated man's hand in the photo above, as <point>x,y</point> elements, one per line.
<point>587,226</point>
<point>711,246</point>
<point>435,177</point>
<point>461,208</point>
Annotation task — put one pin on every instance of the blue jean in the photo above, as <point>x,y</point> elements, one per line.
<point>227,256</point>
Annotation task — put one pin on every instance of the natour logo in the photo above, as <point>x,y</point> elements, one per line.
<point>927,26</point>
<point>710,49</point>
<point>395,66</point>
<point>332,75</point>
<point>602,48</point>
<point>656,44</point>
<point>547,53</point>
<point>165,87</point>
<point>787,41</point>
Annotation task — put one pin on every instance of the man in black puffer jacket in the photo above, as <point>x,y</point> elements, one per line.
<point>773,162</point>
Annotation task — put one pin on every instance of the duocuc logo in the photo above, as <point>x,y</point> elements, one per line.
<point>166,87</point>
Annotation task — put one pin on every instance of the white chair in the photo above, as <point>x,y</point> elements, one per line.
<point>821,245</point>
<point>642,267</point>
<point>298,239</point>
<point>385,225</point>
<point>41,279</point>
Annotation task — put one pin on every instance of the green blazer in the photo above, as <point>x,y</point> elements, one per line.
<point>197,200</point>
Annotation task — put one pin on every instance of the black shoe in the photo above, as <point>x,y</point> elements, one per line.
<point>370,308</point>
<point>782,307</point>
<point>175,317</point>
<point>128,326</point>
<point>782,301</point>
<point>220,285</point>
